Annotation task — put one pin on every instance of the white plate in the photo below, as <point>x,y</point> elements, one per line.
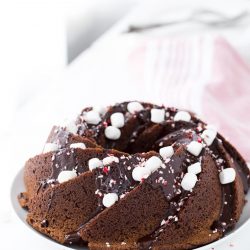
<point>18,186</point>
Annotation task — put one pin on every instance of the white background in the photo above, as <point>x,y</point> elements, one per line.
<point>37,39</point>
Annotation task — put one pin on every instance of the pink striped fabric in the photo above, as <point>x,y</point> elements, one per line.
<point>202,74</point>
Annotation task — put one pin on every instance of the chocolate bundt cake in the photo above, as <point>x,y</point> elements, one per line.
<point>135,176</point>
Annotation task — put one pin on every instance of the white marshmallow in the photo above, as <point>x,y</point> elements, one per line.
<point>71,127</point>
<point>95,163</point>
<point>48,147</point>
<point>108,160</point>
<point>109,199</point>
<point>227,175</point>
<point>66,175</point>
<point>112,133</point>
<point>134,107</point>
<point>212,127</point>
<point>140,173</point>
<point>153,163</point>
<point>100,109</point>
<point>195,168</point>
<point>194,148</point>
<point>117,120</point>
<point>92,117</point>
<point>78,145</point>
<point>188,182</point>
<point>208,136</point>
<point>157,115</point>
<point>182,116</point>
<point>166,152</point>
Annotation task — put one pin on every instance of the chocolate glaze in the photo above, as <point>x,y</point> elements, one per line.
<point>239,163</point>
<point>63,159</point>
<point>59,136</point>
<point>116,178</point>
<point>216,151</point>
<point>85,129</point>
<point>178,134</point>
<point>119,179</point>
<point>169,179</point>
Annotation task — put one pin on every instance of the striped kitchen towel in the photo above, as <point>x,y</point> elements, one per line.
<point>202,74</point>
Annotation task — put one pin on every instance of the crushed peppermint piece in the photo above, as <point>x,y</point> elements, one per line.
<point>105,124</point>
<point>166,152</point>
<point>163,222</point>
<point>112,133</point>
<point>194,148</point>
<point>182,116</point>
<point>134,107</point>
<point>188,182</point>
<point>227,175</point>
<point>105,170</point>
<point>78,145</point>
<point>195,168</point>
<point>109,199</point>
<point>66,175</point>
<point>157,115</point>
<point>122,196</point>
<point>92,117</point>
<point>95,163</point>
<point>117,120</point>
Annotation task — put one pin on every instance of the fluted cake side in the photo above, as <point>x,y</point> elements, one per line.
<point>132,175</point>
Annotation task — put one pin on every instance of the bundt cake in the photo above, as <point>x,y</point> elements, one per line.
<point>135,176</point>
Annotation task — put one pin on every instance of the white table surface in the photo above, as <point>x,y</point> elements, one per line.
<point>25,134</point>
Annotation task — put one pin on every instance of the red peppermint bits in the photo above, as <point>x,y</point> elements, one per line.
<point>105,170</point>
<point>108,121</point>
<point>105,124</point>
<point>99,194</point>
<point>165,183</point>
<point>199,140</point>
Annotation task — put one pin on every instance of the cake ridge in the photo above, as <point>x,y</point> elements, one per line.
<point>133,128</point>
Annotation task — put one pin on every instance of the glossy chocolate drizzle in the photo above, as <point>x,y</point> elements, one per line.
<point>116,178</point>
<point>59,135</point>
<point>179,134</point>
<point>217,152</point>
<point>119,179</point>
